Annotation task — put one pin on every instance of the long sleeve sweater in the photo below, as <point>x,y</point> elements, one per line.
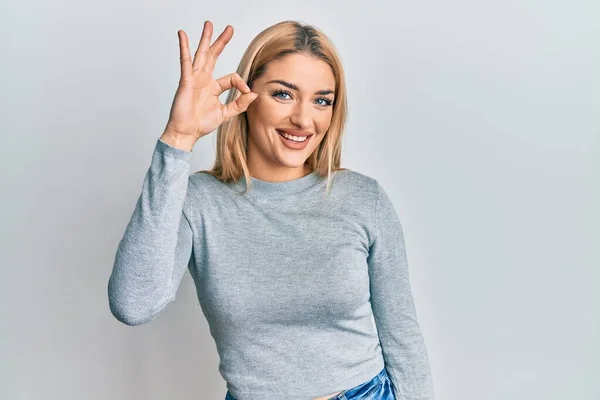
<point>305,292</point>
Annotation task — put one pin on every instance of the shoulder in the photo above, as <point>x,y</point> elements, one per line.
<point>358,182</point>
<point>203,185</point>
<point>367,191</point>
<point>202,178</point>
<point>357,191</point>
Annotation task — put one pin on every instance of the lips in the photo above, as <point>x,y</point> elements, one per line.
<point>281,133</point>
<point>291,144</point>
<point>295,132</point>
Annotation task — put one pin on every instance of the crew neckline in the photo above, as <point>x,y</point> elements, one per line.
<point>261,188</point>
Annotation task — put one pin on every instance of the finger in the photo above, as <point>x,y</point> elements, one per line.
<point>184,54</point>
<point>202,51</point>
<point>238,106</point>
<point>215,50</point>
<point>231,80</point>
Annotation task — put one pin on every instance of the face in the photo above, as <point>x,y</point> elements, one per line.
<point>295,94</point>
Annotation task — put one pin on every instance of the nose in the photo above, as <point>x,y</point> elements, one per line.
<point>301,116</point>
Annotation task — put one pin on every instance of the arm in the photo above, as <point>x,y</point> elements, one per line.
<point>402,343</point>
<point>156,248</point>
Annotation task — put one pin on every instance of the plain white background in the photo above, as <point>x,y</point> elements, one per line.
<point>481,120</point>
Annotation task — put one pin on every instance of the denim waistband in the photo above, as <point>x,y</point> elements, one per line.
<point>361,391</point>
<point>364,389</point>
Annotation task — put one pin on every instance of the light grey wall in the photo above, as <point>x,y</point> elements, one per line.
<point>481,119</point>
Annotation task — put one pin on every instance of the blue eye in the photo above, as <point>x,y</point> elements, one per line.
<point>276,93</point>
<point>327,101</point>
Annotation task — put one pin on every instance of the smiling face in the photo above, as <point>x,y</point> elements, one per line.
<point>295,94</point>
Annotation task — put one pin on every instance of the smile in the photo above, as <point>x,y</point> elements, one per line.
<point>297,139</point>
<point>293,142</point>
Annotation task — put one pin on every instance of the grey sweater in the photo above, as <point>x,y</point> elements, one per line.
<point>305,293</point>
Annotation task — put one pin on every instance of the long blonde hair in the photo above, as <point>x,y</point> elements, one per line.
<point>275,42</point>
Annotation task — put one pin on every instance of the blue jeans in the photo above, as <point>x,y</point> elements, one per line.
<point>378,388</point>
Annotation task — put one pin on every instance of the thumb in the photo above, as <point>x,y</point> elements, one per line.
<point>239,105</point>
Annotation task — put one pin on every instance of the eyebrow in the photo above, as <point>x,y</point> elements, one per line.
<point>294,87</point>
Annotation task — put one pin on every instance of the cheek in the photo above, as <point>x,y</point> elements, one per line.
<point>323,123</point>
<point>269,113</point>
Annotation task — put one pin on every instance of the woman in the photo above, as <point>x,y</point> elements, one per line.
<point>299,264</point>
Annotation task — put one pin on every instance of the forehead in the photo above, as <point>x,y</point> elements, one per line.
<point>305,71</point>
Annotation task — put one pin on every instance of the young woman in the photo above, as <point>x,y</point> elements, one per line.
<point>299,264</point>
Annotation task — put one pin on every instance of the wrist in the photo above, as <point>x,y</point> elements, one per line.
<point>177,141</point>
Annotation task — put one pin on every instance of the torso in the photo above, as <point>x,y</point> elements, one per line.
<point>345,255</point>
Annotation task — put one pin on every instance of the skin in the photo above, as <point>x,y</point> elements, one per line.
<point>268,158</point>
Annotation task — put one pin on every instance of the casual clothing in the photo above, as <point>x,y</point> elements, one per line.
<point>377,388</point>
<point>305,293</point>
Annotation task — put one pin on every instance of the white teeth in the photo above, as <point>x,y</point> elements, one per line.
<point>299,139</point>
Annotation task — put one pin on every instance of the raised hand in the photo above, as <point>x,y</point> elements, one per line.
<point>196,109</point>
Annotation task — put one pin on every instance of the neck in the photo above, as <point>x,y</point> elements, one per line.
<point>278,173</point>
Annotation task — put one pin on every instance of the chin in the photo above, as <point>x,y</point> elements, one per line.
<point>292,162</point>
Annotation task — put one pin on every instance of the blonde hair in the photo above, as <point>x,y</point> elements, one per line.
<point>276,42</point>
